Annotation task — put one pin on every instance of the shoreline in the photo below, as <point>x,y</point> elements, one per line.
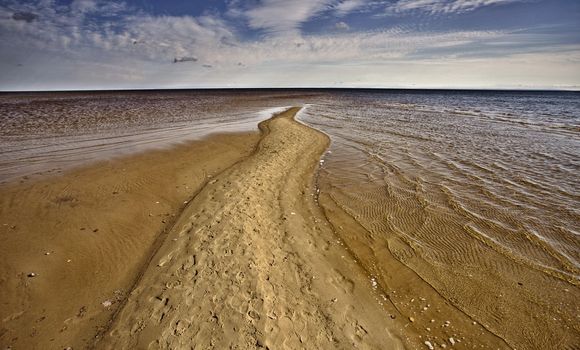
<point>230,244</point>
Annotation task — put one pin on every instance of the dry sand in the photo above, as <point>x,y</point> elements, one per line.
<point>87,234</point>
<point>251,263</point>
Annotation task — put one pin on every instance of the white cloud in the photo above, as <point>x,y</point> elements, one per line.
<point>283,16</point>
<point>444,6</point>
<point>342,26</point>
<point>348,6</point>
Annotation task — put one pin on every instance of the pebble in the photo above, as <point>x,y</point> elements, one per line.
<point>429,345</point>
<point>47,253</point>
<point>107,303</point>
<point>411,319</point>
<point>451,341</point>
<point>32,274</point>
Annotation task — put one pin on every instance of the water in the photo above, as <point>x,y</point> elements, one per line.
<point>47,132</point>
<point>477,192</point>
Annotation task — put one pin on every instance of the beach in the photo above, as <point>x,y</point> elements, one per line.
<point>73,244</point>
<point>319,228</point>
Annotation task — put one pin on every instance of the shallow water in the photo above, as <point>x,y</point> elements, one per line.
<point>47,132</point>
<point>477,192</point>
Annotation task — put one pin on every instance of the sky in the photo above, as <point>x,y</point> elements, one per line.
<point>147,44</point>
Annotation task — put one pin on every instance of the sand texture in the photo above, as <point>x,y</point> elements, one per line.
<point>252,264</point>
<point>86,234</point>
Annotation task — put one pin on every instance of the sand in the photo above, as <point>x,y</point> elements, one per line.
<point>251,263</point>
<point>217,243</point>
<point>86,235</point>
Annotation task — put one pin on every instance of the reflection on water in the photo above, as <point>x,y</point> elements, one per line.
<point>480,188</point>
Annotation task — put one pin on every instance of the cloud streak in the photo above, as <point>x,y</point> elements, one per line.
<point>444,6</point>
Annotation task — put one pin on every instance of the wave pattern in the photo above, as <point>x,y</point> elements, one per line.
<point>482,188</point>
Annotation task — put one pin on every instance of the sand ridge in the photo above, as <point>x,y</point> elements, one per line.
<point>251,263</point>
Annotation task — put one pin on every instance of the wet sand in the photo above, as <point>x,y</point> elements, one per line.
<point>86,235</point>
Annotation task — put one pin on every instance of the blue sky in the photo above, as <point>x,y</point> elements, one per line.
<point>93,44</point>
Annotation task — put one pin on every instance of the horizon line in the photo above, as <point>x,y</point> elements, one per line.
<point>473,89</point>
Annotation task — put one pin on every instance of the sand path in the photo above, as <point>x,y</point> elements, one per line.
<point>252,263</point>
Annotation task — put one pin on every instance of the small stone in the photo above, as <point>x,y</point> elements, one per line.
<point>451,341</point>
<point>107,303</point>
<point>429,345</point>
<point>411,319</point>
<point>69,260</point>
<point>254,315</point>
<point>47,253</point>
<point>32,274</point>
